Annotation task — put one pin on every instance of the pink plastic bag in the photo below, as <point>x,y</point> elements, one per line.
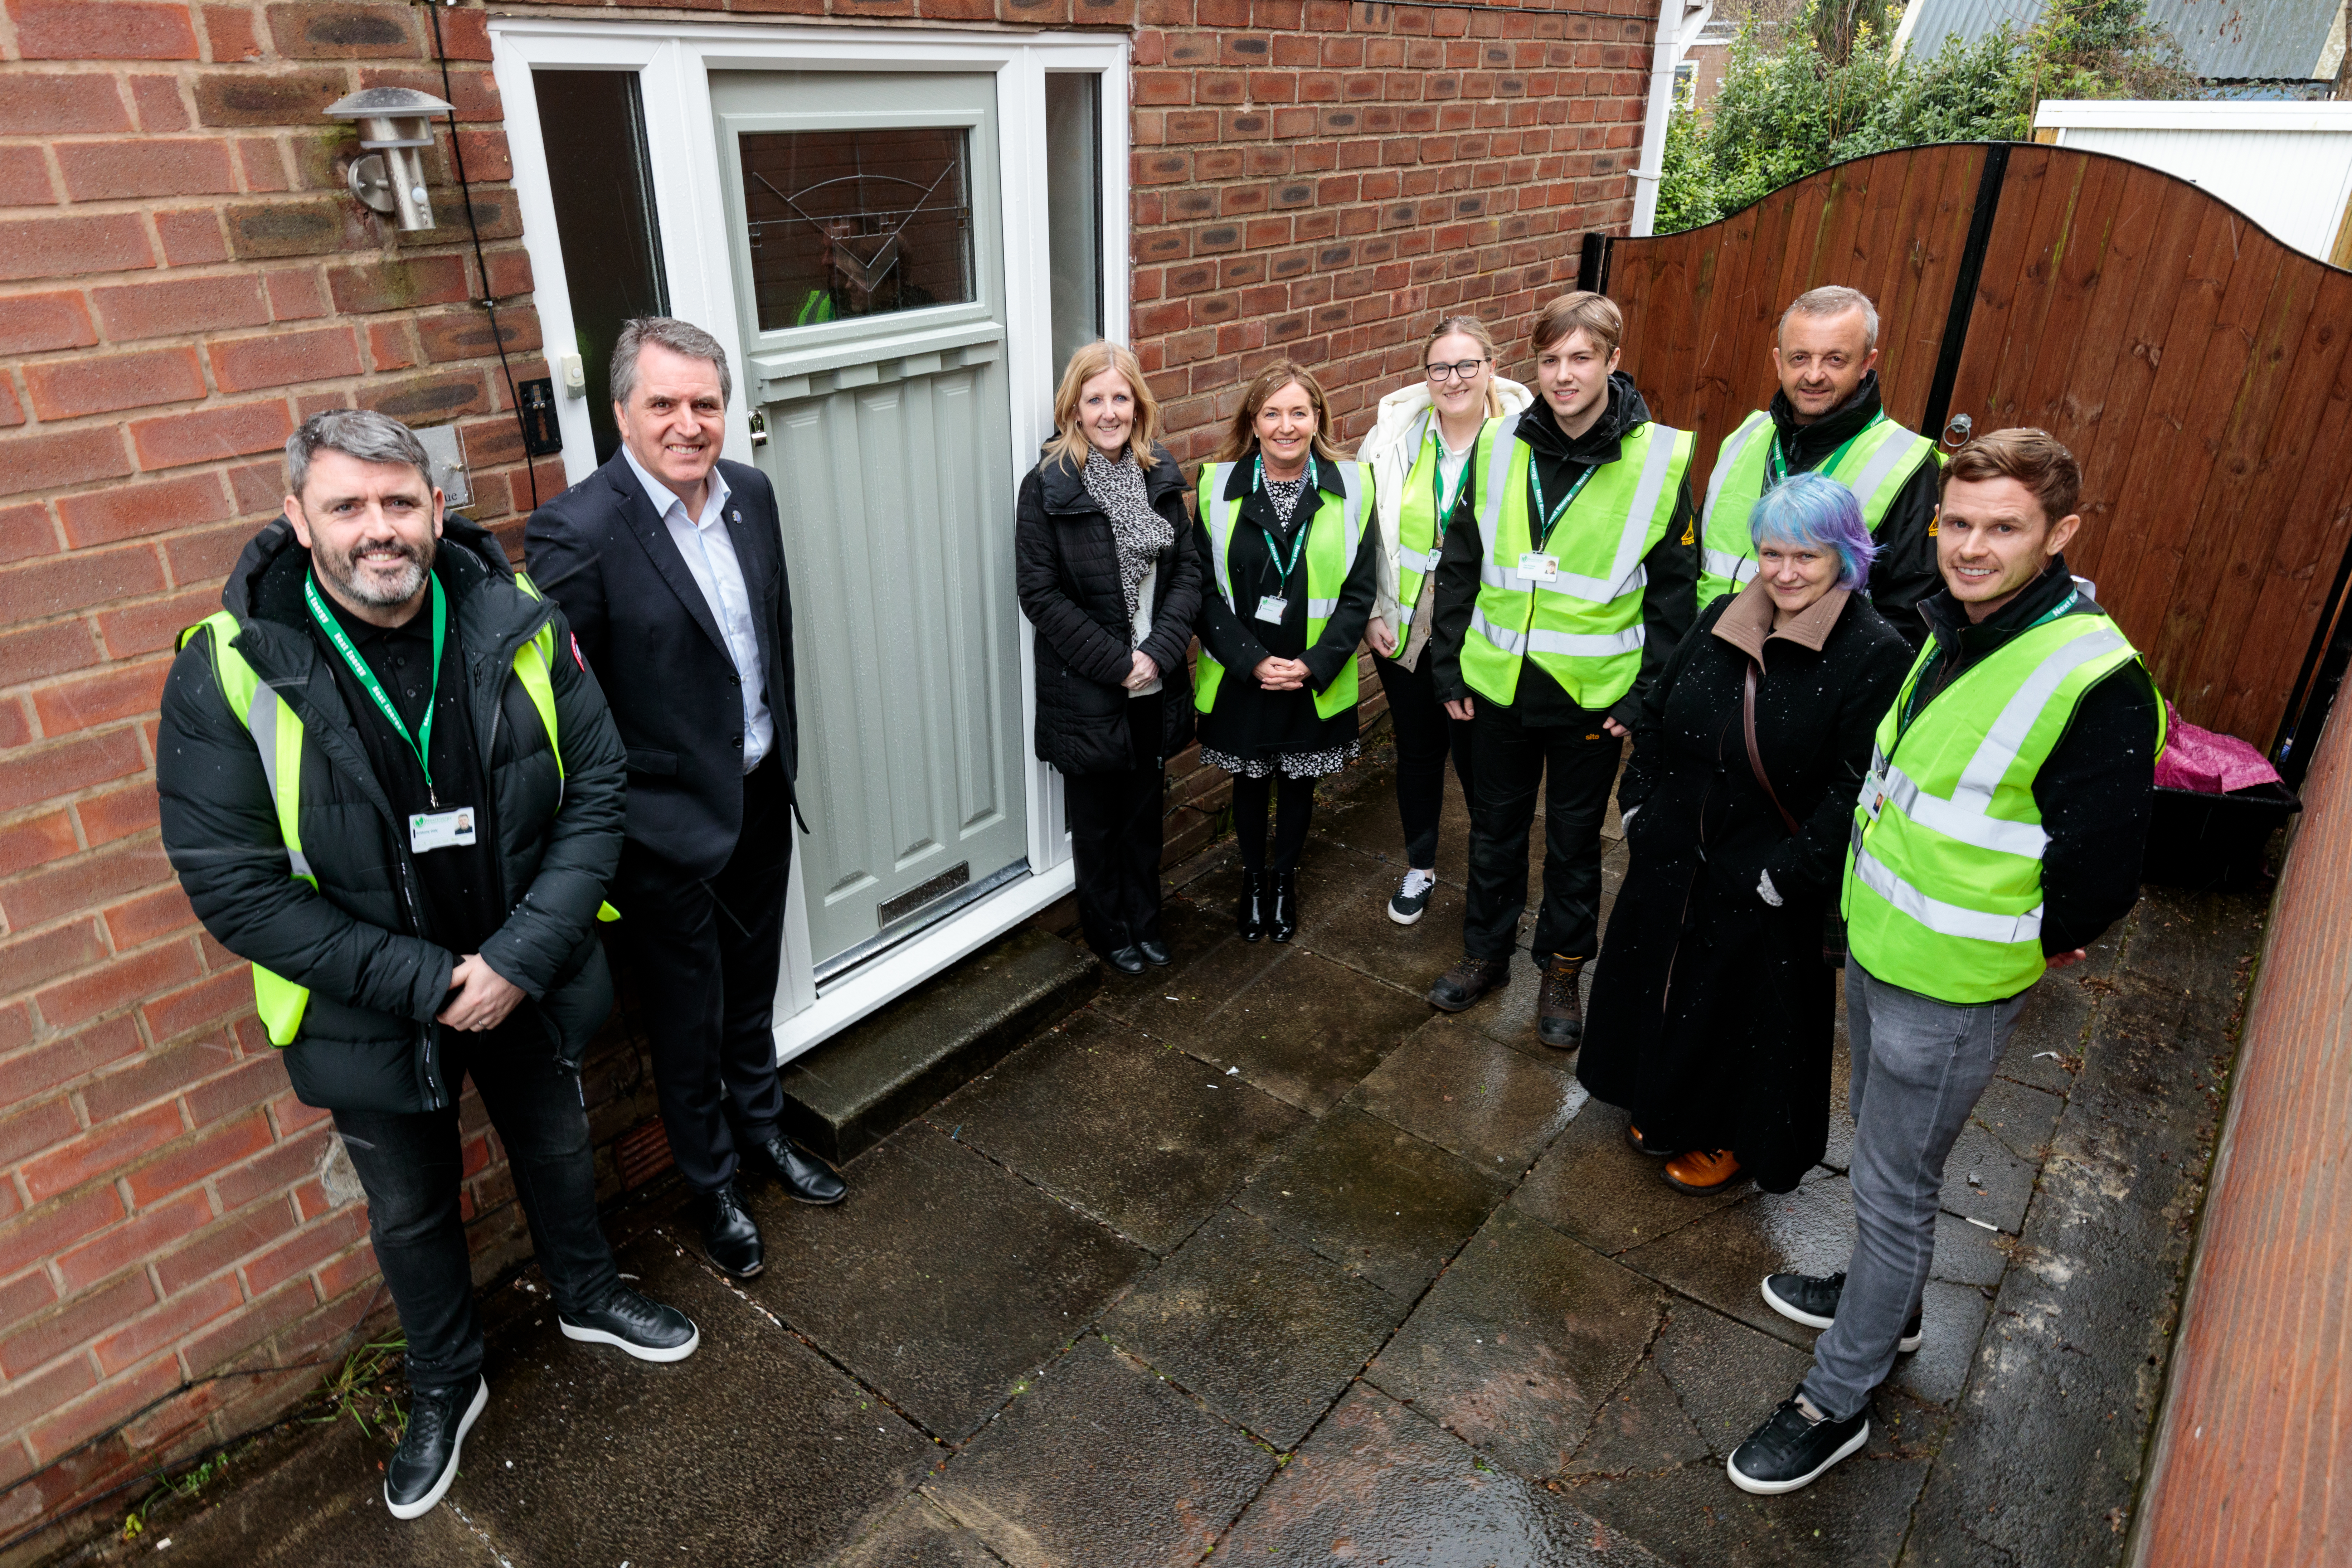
<point>2209,763</point>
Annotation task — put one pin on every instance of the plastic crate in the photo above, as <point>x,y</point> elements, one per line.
<point>2215,841</point>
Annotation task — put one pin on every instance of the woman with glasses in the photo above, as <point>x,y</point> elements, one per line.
<point>1291,556</point>
<point>1419,453</point>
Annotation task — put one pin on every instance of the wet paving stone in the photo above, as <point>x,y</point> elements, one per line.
<point>1097,1461</point>
<point>1212,964</point>
<point>1192,931</point>
<point>1378,1201</point>
<point>1131,1131</point>
<point>941,1280</point>
<point>1640,1429</point>
<point>918,1535</point>
<point>1264,1331</point>
<point>1451,1086</point>
<point>1990,1174</point>
<point>585,1455</point>
<point>1590,1184</point>
<point>2046,1048</point>
<point>1521,1340</point>
<point>1306,1030</point>
<point>1377,1483</point>
<point>1357,932</point>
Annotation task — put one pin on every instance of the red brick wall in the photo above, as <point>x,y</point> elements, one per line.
<point>182,277</point>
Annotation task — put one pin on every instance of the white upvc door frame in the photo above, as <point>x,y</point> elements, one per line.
<point>672,62</point>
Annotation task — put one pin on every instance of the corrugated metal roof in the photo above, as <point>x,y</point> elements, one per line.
<point>2227,40</point>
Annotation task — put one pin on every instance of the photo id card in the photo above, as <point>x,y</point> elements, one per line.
<point>440,829</point>
<point>1270,607</point>
<point>1538,567</point>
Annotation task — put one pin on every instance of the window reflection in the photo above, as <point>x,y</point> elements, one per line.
<point>857,223</point>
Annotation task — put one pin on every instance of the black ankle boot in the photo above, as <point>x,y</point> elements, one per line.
<point>1249,915</point>
<point>1283,919</point>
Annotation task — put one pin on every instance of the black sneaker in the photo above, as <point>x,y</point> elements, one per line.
<point>1790,1450</point>
<point>1412,899</point>
<point>645,1328</point>
<point>1813,1301</point>
<point>427,1460</point>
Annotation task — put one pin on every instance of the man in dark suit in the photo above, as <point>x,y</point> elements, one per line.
<point>669,565</point>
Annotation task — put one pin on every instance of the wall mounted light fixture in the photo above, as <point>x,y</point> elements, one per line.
<point>393,123</point>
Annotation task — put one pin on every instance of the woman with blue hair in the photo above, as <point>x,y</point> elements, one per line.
<point>1715,997</point>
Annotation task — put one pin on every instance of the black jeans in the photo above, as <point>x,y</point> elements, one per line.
<point>707,955</point>
<point>411,1163</point>
<point>1115,826</point>
<point>1574,765</point>
<point>1293,810</point>
<point>1425,736</point>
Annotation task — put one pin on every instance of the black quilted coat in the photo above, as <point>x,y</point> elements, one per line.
<point>1065,566</point>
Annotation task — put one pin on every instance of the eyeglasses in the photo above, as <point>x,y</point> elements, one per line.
<point>1460,370</point>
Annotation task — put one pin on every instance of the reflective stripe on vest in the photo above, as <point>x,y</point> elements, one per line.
<point>1584,629</point>
<point>1943,891</point>
<point>1326,572</point>
<point>1876,469</point>
<point>1417,547</point>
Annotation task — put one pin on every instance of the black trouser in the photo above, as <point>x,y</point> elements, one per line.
<point>1425,736</point>
<point>1294,808</point>
<point>706,953</point>
<point>412,1163</point>
<point>1574,765</point>
<point>1116,837</point>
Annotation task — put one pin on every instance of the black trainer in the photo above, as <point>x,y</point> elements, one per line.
<point>1790,1450</point>
<point>427,1460</point>
<point>1812,1300</point>
<point>637,1325</point>
<point>1410,902</point>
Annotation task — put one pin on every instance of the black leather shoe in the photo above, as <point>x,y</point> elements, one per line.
<point>1467,981</point>
<point>1812,1300</point>
<point>1283,920</point>
<point>1792,1448</point>
<point>1155,953</point>
<point>427,1460</point>
<point>637,1325</point>
<point>730,1239</point>
<point>1249,915</point>
<point>1126,960</point>
<point>801,1173</point>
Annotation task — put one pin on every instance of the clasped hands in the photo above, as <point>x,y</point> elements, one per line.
<point>480,998</point>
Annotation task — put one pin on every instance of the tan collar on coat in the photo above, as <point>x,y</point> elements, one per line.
<point>1746,622</point>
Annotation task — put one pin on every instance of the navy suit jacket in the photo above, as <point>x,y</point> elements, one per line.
<point>602,552</point>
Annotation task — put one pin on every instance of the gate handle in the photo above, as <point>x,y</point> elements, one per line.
<point>1957,431</point>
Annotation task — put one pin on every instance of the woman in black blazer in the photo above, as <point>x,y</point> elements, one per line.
<point>1106,574</point>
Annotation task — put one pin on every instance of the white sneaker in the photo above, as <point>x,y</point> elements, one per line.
<point>1412,899</point>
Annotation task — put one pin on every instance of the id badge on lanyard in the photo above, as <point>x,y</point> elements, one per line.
<point>429,830</point>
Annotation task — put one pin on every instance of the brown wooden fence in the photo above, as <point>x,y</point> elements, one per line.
<point>2195,365</point>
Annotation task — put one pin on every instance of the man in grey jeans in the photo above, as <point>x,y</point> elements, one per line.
<point>1999,833</point>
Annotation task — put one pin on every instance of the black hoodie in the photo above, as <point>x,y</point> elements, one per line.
<point>1667,604</point>
<point>1904,572</point>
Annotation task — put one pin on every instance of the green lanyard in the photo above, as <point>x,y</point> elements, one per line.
<point>1299,540</point>
<point>1552,517</point>
<point>422,739</point>
<point>1445,504</point>
<point>1779,464</point>
<point>1911,702</point>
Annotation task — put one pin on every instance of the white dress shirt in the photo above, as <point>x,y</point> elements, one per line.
<point>710,552</point>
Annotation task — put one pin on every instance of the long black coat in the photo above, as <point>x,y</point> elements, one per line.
<point>1065,569</point>
<point>1712,1011</point>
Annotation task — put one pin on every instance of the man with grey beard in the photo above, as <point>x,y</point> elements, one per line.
<point>389,782</point>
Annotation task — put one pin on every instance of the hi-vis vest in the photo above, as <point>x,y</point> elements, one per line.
<point>278,736</point>
<point>1584,629</point>
<point>1943,885</point>
<point>1876,469</point>
<point>1332,536</point>
<point>1417,545</point>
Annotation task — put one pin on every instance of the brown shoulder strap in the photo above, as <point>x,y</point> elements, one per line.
<point>1755,757</point>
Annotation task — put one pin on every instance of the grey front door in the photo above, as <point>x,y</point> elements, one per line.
<point>865,221</point>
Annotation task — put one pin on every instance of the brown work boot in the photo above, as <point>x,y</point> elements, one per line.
<point>1467,981</point>
<point>1702,1170</point>
<point>1560,1016</point>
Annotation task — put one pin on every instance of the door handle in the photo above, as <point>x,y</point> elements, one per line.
<point>759,428</point>
<point>1957,431</point>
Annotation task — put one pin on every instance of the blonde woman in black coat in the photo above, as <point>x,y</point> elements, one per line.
<point>1106,574</point>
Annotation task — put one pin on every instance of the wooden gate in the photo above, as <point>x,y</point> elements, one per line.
<point>2196,366</point>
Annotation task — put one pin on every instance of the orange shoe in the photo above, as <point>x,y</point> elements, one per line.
<point>1699,1171</point>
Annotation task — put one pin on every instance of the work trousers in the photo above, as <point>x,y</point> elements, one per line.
<point>706,953</point>
<point>1573,766</point>
<point>412,1163</point>
<point>1293,810</point>
<point>1426,735</point>
<point>1918,1068</point>
<point>1116,837</point>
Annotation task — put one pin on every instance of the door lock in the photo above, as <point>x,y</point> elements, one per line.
<point>759,428</point>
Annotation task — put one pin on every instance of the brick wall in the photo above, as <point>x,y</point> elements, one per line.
<point>182,277</point>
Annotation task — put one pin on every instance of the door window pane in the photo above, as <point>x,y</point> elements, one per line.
<point>1074,214</point>
<point>857,223</point>
<point>593,126</point>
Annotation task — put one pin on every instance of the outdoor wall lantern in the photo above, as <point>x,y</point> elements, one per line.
<point>394,121</point>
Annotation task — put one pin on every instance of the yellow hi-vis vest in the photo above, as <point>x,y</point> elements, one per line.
<point>279,737</point>
<point>1332,535</point>
<point>1584,629</point>
<point>1943,885</point>
<point>1417,543</point>
<point>1876,469</point>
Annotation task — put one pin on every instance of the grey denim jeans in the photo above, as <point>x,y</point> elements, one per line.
<point>1919,1066</point>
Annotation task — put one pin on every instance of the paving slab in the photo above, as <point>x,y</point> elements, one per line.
<point>1099,1461</point>
<point>1177,1003</point>
<point>1194,931</point>
<point>1453,1086</point>
<point>1520,1342</point>
<point>1592,1185</point>
<point>1378,1483</point>
<point>916,1534</point>
<point>1641,1428</point>
<point>1265,1332</point>
<point>1378,1201</point>
<point>1306,1030</point>
<point>941,1280</point>
<point>1132,1132</point>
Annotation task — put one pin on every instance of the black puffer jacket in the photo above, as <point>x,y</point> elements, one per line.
<point>367,1039</point>
<point>1065,568</point>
